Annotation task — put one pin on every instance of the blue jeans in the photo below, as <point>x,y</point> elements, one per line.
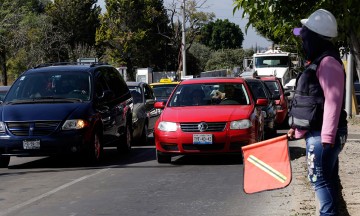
<point>323,169</point>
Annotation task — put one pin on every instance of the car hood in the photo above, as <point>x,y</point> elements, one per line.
<point>206,113</point>
<point>31,112</point>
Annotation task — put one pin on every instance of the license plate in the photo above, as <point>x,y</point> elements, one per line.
<point>31,144</point>
<point>202,138</point>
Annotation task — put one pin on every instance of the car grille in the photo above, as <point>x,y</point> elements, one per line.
<point>211,127</point>
<point>213,147</point>
<point>39,128</point>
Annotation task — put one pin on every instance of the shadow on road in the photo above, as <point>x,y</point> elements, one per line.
<point>208,160</point>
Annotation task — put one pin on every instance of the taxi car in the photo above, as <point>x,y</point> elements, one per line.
<point>199,119</point>
<point>163,89</point>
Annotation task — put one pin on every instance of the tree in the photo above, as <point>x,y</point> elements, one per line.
<point>222,34</point>
<point>227,59</point>
<point>130,31</point>
<point>201,55</point>
<point>194,20</point>
<point>276,19</point>
<point>12,15</point>
<point>77,20</point>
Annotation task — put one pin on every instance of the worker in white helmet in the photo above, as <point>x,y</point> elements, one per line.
<point>322,120</point>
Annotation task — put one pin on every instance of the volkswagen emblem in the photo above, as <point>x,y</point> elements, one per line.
<point>202,127</point>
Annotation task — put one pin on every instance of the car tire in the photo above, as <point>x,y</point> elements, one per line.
<point>95,149</point>
<point>4,161</point>
<point>124,145</point>
<point>161,158</point>
<point>144,135</point>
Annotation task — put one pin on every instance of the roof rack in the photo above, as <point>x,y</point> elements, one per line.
<point>93,64</point>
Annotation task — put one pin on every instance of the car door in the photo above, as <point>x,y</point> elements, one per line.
<point>152,113</point>
<point>104,106</point>
<point>120,104</point>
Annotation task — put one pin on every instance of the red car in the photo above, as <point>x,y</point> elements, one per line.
<point>281,98</point>
<point>208,116</point>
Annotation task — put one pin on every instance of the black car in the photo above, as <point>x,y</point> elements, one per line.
<point>71,108</point>
<point>261,91</point>
<point>144,113</point>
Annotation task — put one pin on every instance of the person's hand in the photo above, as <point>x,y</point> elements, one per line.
<point>331,145</point>
<point>291,133</point>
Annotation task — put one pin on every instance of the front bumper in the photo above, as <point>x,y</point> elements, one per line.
<point>180,143</point>
<point>56,143</point>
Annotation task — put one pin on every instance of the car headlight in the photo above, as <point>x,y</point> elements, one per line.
<point>167,126</point>
<point>241,124</point>
<point>74,124</point>
<point>2,127</point>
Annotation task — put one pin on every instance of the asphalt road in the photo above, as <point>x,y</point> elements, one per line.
<point>136,185</point>
<point>131,185</point>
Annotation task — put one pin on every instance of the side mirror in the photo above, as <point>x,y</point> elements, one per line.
<point>150,101</point>
<point>262,102</point>
<point>159,105</point>
<point>287,93</point>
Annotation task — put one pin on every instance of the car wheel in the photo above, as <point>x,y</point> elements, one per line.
<point>95,150</point>
<point>4,161</point>
<point>124,145</point>
<point>162,158</point>
<point>144,135</point>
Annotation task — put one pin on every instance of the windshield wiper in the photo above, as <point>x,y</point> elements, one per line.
<point>52,98</point>
<point>47,99</point>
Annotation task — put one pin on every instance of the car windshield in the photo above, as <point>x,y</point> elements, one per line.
<point>272,61</point>
<point>209,94</point>
<point>163,91</point>
<point>50,85</point>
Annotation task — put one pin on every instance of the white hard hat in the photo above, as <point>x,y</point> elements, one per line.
<point>322,22</point>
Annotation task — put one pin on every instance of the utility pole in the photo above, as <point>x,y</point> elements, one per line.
<point>183,41</point>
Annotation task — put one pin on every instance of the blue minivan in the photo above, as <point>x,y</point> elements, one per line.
<point>66,108</point>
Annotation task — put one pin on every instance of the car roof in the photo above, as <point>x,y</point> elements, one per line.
<point>268,78</point>
<point>73,67</point>
<point>164,83</point>
<point>135,83</point>
<point>212,80</point>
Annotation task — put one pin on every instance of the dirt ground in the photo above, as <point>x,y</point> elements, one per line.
<point>300,197</point>
<point>304,202</point>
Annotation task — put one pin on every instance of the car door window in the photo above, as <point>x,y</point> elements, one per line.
<point>149,94</point>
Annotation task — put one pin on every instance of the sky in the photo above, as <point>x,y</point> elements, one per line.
<point>223,9</point>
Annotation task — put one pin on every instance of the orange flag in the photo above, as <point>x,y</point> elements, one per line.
<point>266,165</point>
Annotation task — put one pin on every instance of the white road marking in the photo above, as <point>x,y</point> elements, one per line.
<point>32,200</point>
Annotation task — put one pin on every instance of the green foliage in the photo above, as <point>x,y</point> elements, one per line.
<point>227,59</point>
<point>76,20</point>
<point>200,55</point>
<point>130,32</point>
<point>222,34</point>
<point>17,19</point>
<point>275,19</point>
